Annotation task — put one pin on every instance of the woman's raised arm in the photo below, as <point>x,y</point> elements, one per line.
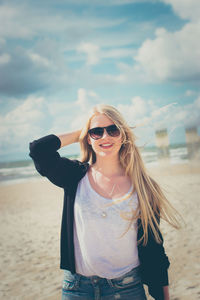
<point>59,170</point>
<point>69,138</point>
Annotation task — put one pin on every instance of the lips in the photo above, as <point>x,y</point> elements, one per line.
<point>106,146</point>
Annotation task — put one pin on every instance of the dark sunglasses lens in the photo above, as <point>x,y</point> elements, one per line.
<point>113,130</point>
<point>96,133</point>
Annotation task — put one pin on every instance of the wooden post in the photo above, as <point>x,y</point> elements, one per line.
<point>192,142</point>
<point>162,143</point>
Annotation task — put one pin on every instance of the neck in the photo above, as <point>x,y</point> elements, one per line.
<point>109,166</point>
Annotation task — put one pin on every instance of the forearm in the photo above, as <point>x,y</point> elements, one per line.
<point>166,292</point>
<point>69,138</point>
<point>59,170</point>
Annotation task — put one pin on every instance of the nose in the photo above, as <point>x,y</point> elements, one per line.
<point>105,134</point>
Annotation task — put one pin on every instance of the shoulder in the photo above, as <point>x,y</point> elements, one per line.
<point>80,168</point>
<point>80,165</point>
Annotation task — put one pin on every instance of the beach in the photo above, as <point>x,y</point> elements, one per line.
<point>30,220</point>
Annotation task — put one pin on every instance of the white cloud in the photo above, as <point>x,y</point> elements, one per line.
<point>135,111</point>
<point>190,93</point>
<point>82,101</point>
<point>59,106</point>
<point>24,21</point>
<point>72,115</point>
<point>113,79</point>
<point>144,113</point>
<point>34,118</point>
<point>2,42</point>
<point>24,71</point>
<point>85,101</point>
<point>147,117</point>
<point>22,123</point>
<point>188,115</point>
<point>12,19</point>
<point>92,52</point>
<point>180,116</point>
<point>139,106</point>
<point>186,9</point>
<point>158,112</point>
<point>38,59</point>
<point>4,58</point>
<point>28,111</point>
<point>197,104</point>
<point>44,56</point>
<point>42,62</point>
<point>171,55</point>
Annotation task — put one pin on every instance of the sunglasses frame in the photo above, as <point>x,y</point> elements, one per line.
<point>104,128</point>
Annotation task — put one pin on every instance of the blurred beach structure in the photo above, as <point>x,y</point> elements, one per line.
<point>31,209</point>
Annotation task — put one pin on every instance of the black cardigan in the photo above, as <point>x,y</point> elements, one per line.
<point>67,173</point>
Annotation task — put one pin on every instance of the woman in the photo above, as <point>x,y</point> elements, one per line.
<point>111,243</point>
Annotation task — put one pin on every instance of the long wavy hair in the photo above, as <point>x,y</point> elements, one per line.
<point>152,203</point>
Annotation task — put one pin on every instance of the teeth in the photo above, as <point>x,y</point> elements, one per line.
<point>106,145</point>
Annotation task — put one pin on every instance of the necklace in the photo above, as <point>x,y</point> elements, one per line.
<point>115,201</point>
<point>114,187</point>
<point>119,200</point>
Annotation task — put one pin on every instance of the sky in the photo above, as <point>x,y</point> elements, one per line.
<point>60,58</point>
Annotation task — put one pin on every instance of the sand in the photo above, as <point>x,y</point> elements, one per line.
<point>30,219</point>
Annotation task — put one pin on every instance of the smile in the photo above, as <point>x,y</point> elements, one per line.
<point>106,146</point>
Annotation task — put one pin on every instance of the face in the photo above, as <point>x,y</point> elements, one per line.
<point>106,145</point>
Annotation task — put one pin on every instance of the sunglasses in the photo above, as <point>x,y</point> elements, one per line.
<point>97,132</point>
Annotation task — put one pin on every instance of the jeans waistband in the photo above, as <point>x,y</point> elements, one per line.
<point>134,272</point>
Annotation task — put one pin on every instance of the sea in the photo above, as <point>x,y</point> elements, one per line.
<point>24,170</point>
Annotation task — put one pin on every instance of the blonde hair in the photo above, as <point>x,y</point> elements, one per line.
<point>153,204</point>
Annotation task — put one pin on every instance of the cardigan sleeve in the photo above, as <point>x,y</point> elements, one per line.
<point>61,171</point>
<point>154,264</point>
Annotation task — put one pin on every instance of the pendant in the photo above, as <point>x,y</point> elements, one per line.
<point>104,214</point>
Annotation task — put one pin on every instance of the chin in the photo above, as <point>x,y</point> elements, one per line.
<point>107,153</point>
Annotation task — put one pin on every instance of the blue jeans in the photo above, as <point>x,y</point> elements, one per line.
<point>126,287</point>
